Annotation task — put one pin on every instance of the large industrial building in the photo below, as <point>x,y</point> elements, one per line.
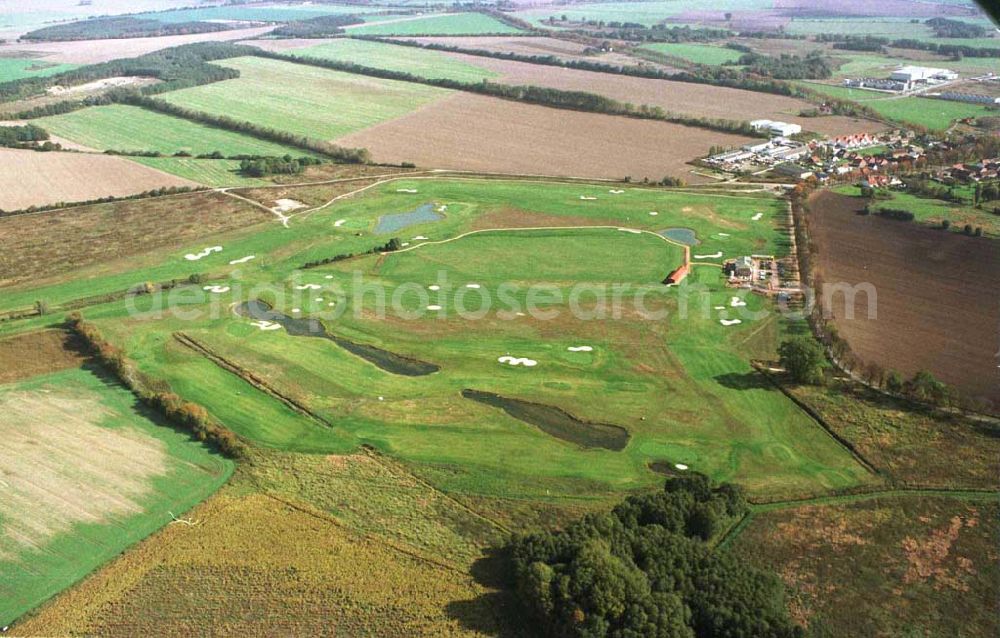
<point>783,129</point>
<point>917,74</point>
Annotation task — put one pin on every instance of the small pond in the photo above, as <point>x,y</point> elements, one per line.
<point>682,235</point>
<point>395,222</point>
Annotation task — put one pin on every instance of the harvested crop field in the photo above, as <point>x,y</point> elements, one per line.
<point>937,306</point>
<point>34,353</point>
<point>44,244</point>
<point>511,137</point>
<point>31,178</point>
<point>530,45</point>
<point>686,98</point>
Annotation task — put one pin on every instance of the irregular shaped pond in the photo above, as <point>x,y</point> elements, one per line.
<point>384,359</point>
<point>556,422</point>
<point>682,235</point>
<point>398,221</point>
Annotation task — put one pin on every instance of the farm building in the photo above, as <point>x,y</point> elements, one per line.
<point>782,129</point>
<point>744,267</point>
<point>913,74</point>
<point>793,170</point>
<point>677,275</point>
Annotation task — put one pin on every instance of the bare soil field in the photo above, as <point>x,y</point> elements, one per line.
<point>33,178</point>
<point>35,353</point>
<point>43,244</point>
<point>937,307</point>
<point>477,133</point>
<point>93,51</point>
<point>533,45</point>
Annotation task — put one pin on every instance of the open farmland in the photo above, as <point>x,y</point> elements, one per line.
<point>441,24</point>
<point>685,98</point>
<point>130,128</point>
<point>17,68</point>
<point>522,138</point>
<point>30,178</point>
<point>305,100</point>
<point>110,477</point>
<point>210,172</point>
<point>888,566</point>
<point>530,45</point>
<point>926,317</point>
<point>699,53</point>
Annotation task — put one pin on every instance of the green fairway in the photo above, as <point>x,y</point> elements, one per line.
<point>214,173</point>
<point>699,53</point>
<point>85,475</point>
<point>132,128</point>
<point>443,24</point>
<point>305,100</point>
<point>17,68</point>
<point>421,62</point>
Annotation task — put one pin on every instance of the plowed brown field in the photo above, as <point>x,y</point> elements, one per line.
<point>937,307</point>
<point>473,132</point>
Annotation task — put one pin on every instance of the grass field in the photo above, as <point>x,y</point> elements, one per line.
<point>931,212</point>
<point>257,14</point>
<point>421,62</point>
<point>648,13</point>
<point>446,24</point>
<point>131,128</point>
<point>214,173</point>
<point>305,100</point>
<point>17,68</point>
<point>699,53</point>
<point>112,476</point>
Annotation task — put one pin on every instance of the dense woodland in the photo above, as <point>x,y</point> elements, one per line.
<point>120,27</point>
<point>645,569</point>
<point>318,27</point>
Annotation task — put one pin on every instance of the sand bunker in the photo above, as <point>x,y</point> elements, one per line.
<point>319,299</point>
<point>266,325</point>
<point>616,191</point>
<point>296,310</point>
<point>442,208</point>
<point>339,223</point>
<point>653,213</point>
<point>736,302</point>
<point>729,322</point>
<point>433,307</point>
<point>308,287</point>
<point>723,234</point>
<point>757,217</point>
<point>204,253</point>
<point>631,230</point>
<point>406,190</point>
<point>585,198</point>
<point>242,260</point>
<point>719,307</point>
<point>712,256</point>
<point>216,289</point>
<point>405,244</point>
<point>518,361</point>
<point>433,287</point>
<point>419,238</point>
<point>680,466</point>
<point>580,348</point>
<point>473,286</point>
<point>328,277</point>
<point>285,205</point>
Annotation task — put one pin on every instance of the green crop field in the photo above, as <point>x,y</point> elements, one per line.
<point>111,477</point>
<point>17,68</point>
<point>932,212</point>
<point>131,128</point>
<point>210,172</point>
<point>647,13</point>
<point>699,53</point>
<point>305,100</point>
<point>444,24</point>
<point>257,14</point>
<point>422,62</point>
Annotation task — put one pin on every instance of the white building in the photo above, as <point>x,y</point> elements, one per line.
<point>781,129</point>
<point>911,74</point>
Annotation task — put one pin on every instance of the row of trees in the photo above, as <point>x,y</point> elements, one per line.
<point>156,192</point>
<point>119,27</point>
<point>390,246</point>
<point>156,393</point>
<point>285,165</point>
<point>644,569</point>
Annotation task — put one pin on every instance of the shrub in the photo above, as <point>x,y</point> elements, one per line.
<point>803,358</point>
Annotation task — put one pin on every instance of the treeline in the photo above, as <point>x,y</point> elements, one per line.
<point>655,33</point>
<point>28,137</point>
<point>390,246</point>
<point>120,27</point>
<point>285,165</point>
<point>156,393</point>
<point>506,18</point>
<point>719,76</point>
<point>318,27</point>
<point>945,28</point>
<point>644,569</point>
<point>544,96</point>
<point>176,68</point>
<point>787,67</point>
<point>868,43</point>
<point>156,192</point>
<point>328,149</point>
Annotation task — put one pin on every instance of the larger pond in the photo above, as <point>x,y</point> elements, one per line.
<point>556,422</point>
<point>681,235</point>
<point>384,359</point>
<point>398,221</point>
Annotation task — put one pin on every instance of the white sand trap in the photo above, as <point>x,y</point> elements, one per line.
<point>723,234</point>
<point>686,209</point>
<point>216,289</point>
<point>242,260</point>
<point>616,191</point>
<point>205,253</point>
<point>519,314</point>
<point>332,304</point>
<point>319,299</point>
<point>653,213</point>
<point>266,325</point>
<point>712,256</point>
<point>434,287</point>
<point>328,277</point>
<point>381,398</point>
<point>406,190</point>
<point>308,287</point>
<point>631,230</point>
<point>736,302</point>
<point>587,199</point>
<point>419,238</point>
<point>285,205</point>
<point>580,348</point>
<point>473,286</point>
<point>339,223</point>
<point>720,307</point>
<point>757,217</point>
<point>405,244</point>
<point>433,307</point>
<point>729,322</point>
<point>296,310</point>
<point>680,466</point>
<point>518,361</point>
<point>442,208</point>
